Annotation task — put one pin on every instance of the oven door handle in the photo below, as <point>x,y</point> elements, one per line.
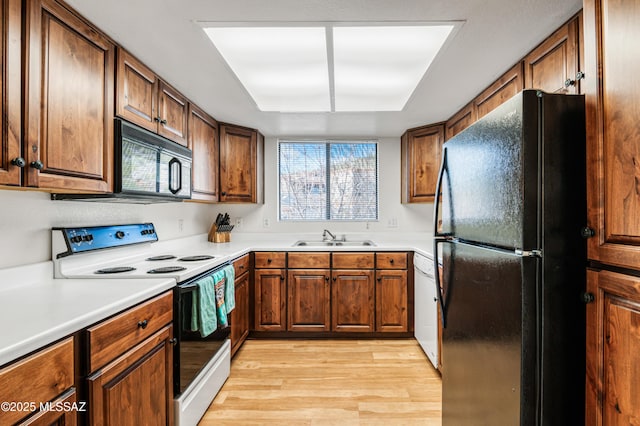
<point>174,162</point>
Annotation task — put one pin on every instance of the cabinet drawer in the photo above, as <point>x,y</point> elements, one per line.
<point>271,259</point>
<point>308,260</point>
<point>353,260</point>
<point>38,378</point>
<point>114,336</point>
<point>391,260</point>
<point>241,265</point>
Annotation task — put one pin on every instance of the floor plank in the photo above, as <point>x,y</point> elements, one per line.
<point>329,382</point>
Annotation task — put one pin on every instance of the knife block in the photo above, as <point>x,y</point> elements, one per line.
<point>218,237</point>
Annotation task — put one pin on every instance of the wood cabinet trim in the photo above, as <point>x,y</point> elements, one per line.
<point>205,167</point>
<point>512,77</point>
<point>462,119</point>
<point>278,304</point>
<point>127,61</point>
<point>177,131</point>
<point>309,306</point>
<point>353,260</point>
<point>270,259</point>
<point>248,173</point>
<point>420,164</point>
<point>309,260</point>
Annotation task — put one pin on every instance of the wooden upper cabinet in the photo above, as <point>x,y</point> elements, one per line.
<point>420,153</point>
<point>69,101</point>
<point>203,143</point>
<point>612,90</point>
<point>461,120</point>
<point>144,99</point>
<point>503,89</point>
<point>11,161</point>
<point>553,66</point>
<point>136,88</point>
<point>172,114</point>
<point>241,172</point>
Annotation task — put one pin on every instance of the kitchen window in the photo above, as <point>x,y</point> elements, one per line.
<point>328,180</point>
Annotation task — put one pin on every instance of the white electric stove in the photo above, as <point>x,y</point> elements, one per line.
<point>132,251</point>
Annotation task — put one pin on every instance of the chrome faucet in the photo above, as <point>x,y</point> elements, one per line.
<point>324,235</point>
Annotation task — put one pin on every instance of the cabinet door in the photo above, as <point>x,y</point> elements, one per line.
<point>203,143</point>
<point>552,66</point>
<point>173,111</point>
<point>137,387</point>
<point>420,163</point>
<point>352,295</point>
<point>240,315</point>
<point>270,300</point>
<point>613,349</point>
<point>391,300</point>
<point>136,92</point>
<point>501,90</point>
<point>55,417</point>
<point>309,298</point>
<point>238,164</point>
<point>11,18</point>
<point>69,131</point>
<point>461,120</point>
<point>612,90</point>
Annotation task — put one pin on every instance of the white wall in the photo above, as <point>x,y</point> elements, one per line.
<point>26,217</point>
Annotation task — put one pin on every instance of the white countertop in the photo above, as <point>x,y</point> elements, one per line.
<point>36,309</point>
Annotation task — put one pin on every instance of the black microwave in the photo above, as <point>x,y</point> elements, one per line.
<point>147,168</point>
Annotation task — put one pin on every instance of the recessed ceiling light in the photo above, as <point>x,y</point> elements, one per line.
<point>329,67</point>
<point>378,68</point>
<point>283,69</point>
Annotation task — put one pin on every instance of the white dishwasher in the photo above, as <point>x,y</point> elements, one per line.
<point>426,307</point>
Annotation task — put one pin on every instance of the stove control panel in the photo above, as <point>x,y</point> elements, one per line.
<point>78,240</point>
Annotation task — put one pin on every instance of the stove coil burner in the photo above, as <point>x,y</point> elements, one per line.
<point>166,270</point>
<point>196,258</point>
<point>116,270</point>
<point>161,257</point>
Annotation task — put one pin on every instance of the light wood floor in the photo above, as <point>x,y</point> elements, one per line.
<point>329,382</point>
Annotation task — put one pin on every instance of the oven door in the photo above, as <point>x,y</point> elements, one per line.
<point>192,351</point>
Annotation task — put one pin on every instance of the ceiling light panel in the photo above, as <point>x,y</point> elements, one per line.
<point>378,68</point>
<point>283,68</point>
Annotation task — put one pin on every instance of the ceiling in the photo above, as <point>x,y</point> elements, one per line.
<point>165,35</point>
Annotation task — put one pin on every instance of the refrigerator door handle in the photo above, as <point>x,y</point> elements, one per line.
<point>436,204</point>
<point>436,241</point>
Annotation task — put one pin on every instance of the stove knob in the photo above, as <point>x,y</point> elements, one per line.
<point>87,237</point>
<point>119,235</point>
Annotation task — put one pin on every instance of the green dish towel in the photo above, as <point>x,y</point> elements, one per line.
<point>229,288</point>
<point>219,278</point>
<point>203,307</point>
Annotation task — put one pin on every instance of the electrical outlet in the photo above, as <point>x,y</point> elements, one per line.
<point>265,222</point>
<point>180,225</point>
<point>392,222</point>
<point>239,222</point>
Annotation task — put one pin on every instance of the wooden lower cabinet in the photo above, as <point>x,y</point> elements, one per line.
<point>240,315</point>
<point>391,301</point>
<point>270,299</point>
<point>352,295</point>
<point>308,300</point>
<point>136,387</point>
<point>613,349</point>
<point>67,416</point>
<point>47,375</point>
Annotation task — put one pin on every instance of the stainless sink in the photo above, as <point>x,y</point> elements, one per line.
<point>334,243</point>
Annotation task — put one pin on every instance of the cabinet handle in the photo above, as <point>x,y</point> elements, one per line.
<point>19,162</point>
<point>241,266</point>
<point>391,261</point>
<point>281,277</point>
<point>143,324</point>
<point>568,82</point>
<point>379,279</point>
<point>37,165</point>
<point>163,121</point>
<point>326,278</point>
<point>588,298</point>
<point>579,75</point>
<point>156,119</point>
<point>335,279</point>
<point>223,193</point>
<point>269,260</point>
<point>173,341</point>
<point>587,232</point>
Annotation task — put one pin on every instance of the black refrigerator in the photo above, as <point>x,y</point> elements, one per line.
<point>514,261</point>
